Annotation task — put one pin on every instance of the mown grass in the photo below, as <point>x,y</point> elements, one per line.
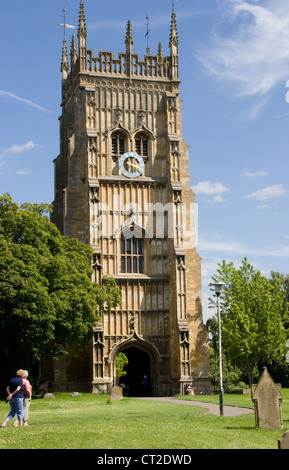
<point>88,422</point>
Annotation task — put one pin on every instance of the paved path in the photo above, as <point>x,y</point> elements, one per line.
<point>211,407</point>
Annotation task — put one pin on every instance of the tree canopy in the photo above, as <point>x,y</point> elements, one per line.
<point>253,316</point>
<point>120,363</point>
<point>47,298</point>
<point>284,279</point>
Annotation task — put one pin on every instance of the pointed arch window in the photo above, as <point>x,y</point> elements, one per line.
<point>117,144</point>
<point>141,144</point>
<point>131,255</point>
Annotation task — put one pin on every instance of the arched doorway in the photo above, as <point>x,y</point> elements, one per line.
<point>138,366</point>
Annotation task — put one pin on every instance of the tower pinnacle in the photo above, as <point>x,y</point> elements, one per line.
<point>82,35</point>
<point>73,51</point>
<point>174,40</point>
<point>82,31</point>
<point>128,37</point>
<point>174,48</point>
<point>64,61</point>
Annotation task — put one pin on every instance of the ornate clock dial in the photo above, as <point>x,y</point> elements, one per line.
<point>131,165</point>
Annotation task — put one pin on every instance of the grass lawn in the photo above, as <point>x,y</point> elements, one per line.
<point>88,422</point>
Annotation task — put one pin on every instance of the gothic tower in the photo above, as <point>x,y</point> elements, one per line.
<point>122,186</point>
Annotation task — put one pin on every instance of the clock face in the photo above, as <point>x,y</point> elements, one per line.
<point>131,165</point>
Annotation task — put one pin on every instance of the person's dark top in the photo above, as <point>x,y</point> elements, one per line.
<point>145,382</point>
<point>13,384</point>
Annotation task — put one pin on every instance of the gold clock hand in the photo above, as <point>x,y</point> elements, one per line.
<point>132,164</point>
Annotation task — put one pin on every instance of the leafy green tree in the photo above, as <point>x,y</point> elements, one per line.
<point>47,298</point>
<point>120,363</point>
<point>284,279</point>
<point>279,370</point>
<point>251,306</point>
<point>231,374</point>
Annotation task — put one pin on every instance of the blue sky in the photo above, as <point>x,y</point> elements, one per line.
<point>234,69</point>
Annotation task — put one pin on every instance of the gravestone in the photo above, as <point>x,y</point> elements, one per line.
<point>242,391</point>
<point>283,442</point>
<point>48,395</point>
<point>267,398</point>
<point>116,393</point>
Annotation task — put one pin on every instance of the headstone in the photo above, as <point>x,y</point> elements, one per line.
<point>242,391</point>
<point>116,393</point>
<point>267,398</point>
<point>283,442</point>
<point>48,395</point>
<point>75,394</point>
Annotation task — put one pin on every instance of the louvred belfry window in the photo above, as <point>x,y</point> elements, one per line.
<point>117,144</point>
<point>141,145</point>
<point>131,255</point>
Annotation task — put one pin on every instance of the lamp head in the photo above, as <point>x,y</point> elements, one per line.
<point>218,287</point>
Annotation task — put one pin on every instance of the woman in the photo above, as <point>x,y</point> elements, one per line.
<point>27,393</point>
<point>15,390</point>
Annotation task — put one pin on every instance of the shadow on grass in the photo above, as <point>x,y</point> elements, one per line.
<point>240,428</point>
<point>33,425</point>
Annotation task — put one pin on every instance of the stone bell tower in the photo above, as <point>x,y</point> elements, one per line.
<point>122,186</point>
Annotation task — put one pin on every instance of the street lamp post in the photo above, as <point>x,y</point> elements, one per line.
<point>218,287</point>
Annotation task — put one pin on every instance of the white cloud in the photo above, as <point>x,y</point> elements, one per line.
<point>255,56</point>
<point>210,188</point>
<point>251,114</point>
<point>23,172</point>
<point>254,174</point>
<point>219,198</point>
<point>16,148</point>
<point>276,190</point>
<point>236,248</point>
<point>220,246</point>
<point>6,94</point>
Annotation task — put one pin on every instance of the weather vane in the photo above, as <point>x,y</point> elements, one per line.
<point>64,24</point>
<point>147,33</point>
<point>174,4</point>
